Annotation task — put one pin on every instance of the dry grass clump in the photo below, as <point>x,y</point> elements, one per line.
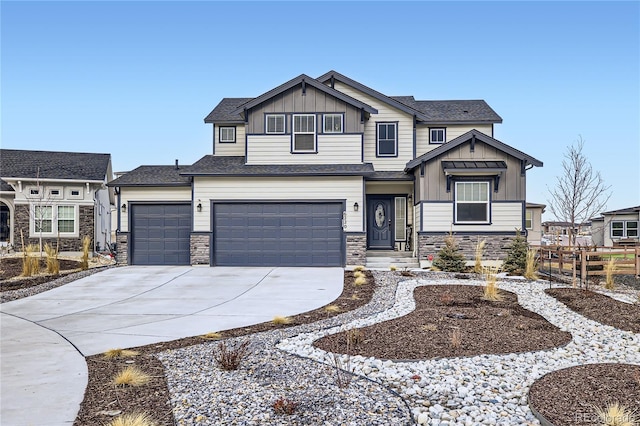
<point>491,292</point>
<point>359,268</point>
<point>360,281</point>
<point>610,269</point>
<point>354,336</point>
<point>284,406</point>
<point>229,357</point>
<point>131,376</point>
<point>429,327</point>
<point>331,309</point>
<point>212,335</point>
<point>84,260</point>
<point>531,266</point>
<point>393,267</point>
<point>30,263</point>
<point>53,265</point>
<point>456,338</point>
<point>617,415</point>
<point>120,353</point>
<point>281,320</point>
<point>358,274</point>
<point>477,267</point>
<point>132,419</point>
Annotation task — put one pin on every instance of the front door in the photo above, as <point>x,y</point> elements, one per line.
<point>379,220</point>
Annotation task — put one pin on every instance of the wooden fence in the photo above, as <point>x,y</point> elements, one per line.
<point>581,263</point>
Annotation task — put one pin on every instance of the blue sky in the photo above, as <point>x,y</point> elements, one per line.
<point>136,79</point>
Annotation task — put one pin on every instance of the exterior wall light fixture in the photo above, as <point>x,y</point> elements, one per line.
<point>355,206</point>
<point>199,207</point>
<point>123,208</point>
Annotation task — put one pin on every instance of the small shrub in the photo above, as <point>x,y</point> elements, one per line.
<point>516,261</point>
<point>359,268</point>
<point>120,353</point>
<point>610,268</point>
<point>131,376</point>
<point>491,292</point>
<point>358,274</point>
<point>332,309</point>
<point>53,265</point>
<point>354,337</point>
<point>30,263</point>
<point>284,406</point>
<point>477,267</point>
<point>407,273</point>
<point>86,245</point>
<point>616,415</point>
<point>456,338</point>
<point>449,258</point>
<point>360,281</point>
<point>213,335</point>
<point>392,267</point>
<point>132,419</point>
<point>229,357</point>
<point>281,320</point>
<point>531,266</point>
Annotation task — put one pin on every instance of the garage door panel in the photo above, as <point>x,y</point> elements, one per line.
<point>278,234</point>
<point>160,234</point>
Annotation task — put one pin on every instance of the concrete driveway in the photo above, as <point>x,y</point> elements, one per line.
<point>45,337</point>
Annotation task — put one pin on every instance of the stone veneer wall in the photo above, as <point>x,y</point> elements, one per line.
<point>86,228</point>
<point>200,248</point>
<point>356,248</point>
<point>122,248</point>
<point>496,246</point>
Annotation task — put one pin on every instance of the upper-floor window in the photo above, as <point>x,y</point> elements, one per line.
<point>528,220</point>
<point>624,228</point>
<point>274,124</point>
<point>437,135</point>
<point>387,140</point>
<point>227,134</point>
<point>332,123</point>
<point>472,202</point>
<point>304,133</point>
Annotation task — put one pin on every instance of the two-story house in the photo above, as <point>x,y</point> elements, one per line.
<point>318,171</point>
<point>54,197</point>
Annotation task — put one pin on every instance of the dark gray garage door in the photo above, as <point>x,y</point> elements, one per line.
<point>160,234</point>
<point>278,234</point>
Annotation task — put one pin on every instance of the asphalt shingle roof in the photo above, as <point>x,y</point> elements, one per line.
<point>210,165</point>
<point>153,176</point>
<point>16,163</point>
<point>627,210</point>
<point>453,110</point>
<point>224,110</point>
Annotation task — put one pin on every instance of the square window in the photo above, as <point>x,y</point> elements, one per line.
<point>304,133</point>
<point>387,140</point>
<point>617,229</point>
<point>332,123</point>
<point>227,134</point>
<point>472,202</point>
<point>437,135</point>
<point>274,123</point>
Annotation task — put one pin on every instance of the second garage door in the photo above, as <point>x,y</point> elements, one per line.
<point>160,234</point>
<point>278,234</point>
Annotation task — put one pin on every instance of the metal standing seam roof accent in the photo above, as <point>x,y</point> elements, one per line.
<point>210,165</point>
<point>16,163</point>
<point>473,165</point>
<point>465,138</point>
<point>303,78</point>
<point>153,176</point>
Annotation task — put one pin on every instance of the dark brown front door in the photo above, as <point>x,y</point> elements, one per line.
<point>379,220</point>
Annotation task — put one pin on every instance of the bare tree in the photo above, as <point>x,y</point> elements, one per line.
<point>580,193</point>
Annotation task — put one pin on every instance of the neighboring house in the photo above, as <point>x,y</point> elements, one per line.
<point>533,223</point>
<point>59,196</point>
<point>318,171</point>
<point>617,227</point>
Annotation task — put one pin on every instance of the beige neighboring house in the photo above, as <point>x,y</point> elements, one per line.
<point>533,223</point>
<point>324,172</point>
<point>60,197</point>
<point>617,228</point>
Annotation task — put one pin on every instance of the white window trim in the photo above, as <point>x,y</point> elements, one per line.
<point>624,229</point>
<point>400,216</point>
<point>528,219</point>
<point>294,132</point>
<point>324,123</point>
<point>266,124</point>
<point>488,204</point>
<point>59,195</point>
<point>395,139</point>
<point>33,233</point>
<point>444,135</point>
<point>75,197</point>
<point>232,140</point>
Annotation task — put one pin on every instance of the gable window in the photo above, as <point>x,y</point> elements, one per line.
<point>43,219</point>
<point>437,135</point>
<point>304,133</point>
<point>624,229</point>
<point>332,123</point>
<point>472,202</point>
<point>227,134</point>
<point>528,220</point>
<point>274,123</point>
<point>387,140</point>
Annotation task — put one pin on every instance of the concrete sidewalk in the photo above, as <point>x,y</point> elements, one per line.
<point>44,376</point>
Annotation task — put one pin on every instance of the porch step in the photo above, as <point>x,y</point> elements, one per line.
<point>385,258</point>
